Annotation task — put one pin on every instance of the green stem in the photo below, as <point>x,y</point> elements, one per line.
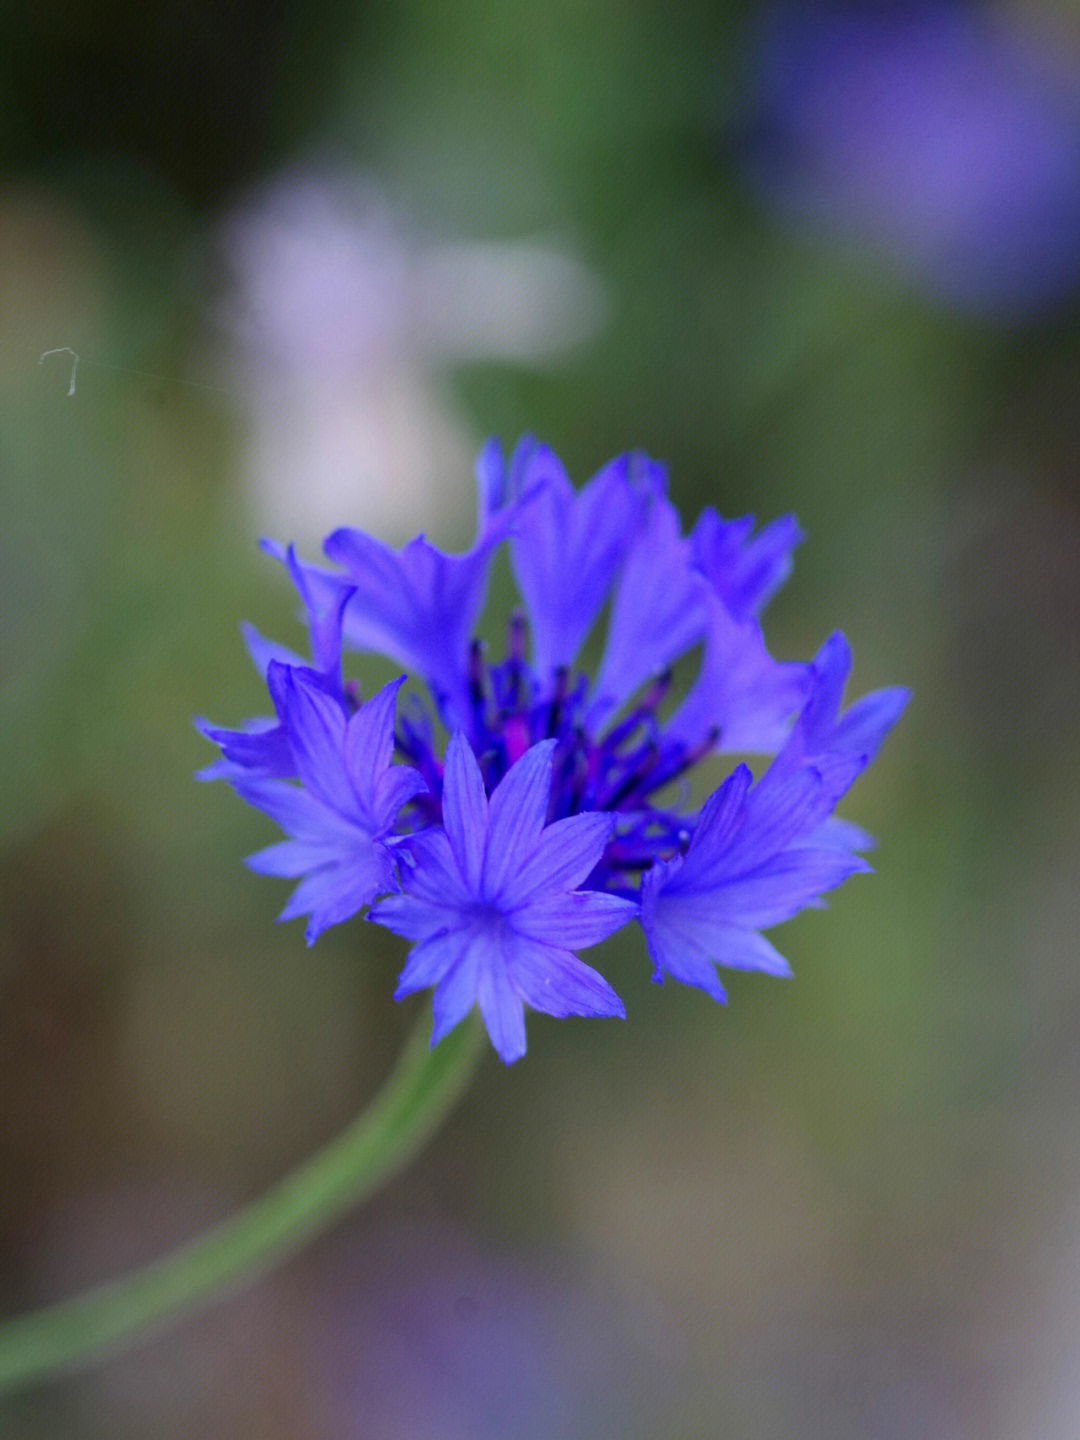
<point>419,1092</point>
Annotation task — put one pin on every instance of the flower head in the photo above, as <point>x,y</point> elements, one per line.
<point>548,823</point>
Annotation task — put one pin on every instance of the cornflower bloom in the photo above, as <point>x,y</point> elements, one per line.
<point>557,811</point>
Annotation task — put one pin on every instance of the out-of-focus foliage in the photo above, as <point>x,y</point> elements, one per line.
<point>838,1207</point>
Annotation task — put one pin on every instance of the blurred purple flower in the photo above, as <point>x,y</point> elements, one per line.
<point>942,138</point>
<point>420,1333</point>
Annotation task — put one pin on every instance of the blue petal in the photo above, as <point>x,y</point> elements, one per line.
<point>380,788</point>
<point>673,946</point>
<point>417,606</point>
<point>449,962</point>
<point>553,981</point>
<point>747,950</point>
<point>431,961</point>
<point>747,867</point>
<point>658,611</point>
<point>688,935</point>
<point>504,491</point>
<point>690,956</point>
<point>315,724</point>
<point>741,692</point>
<point>410,918</point>
<point>500,1004</point>
<point>723,814</point>
<point>814,729</point>
<point>296,811</point>
<point>456,994</point>
<point>840,835</point>
<point>259,750</point>
<point>324,605</point>
<point>430,870</point>
<point>291,858</point>
<point>516,817</point>
<point>575,921</point>
<point>339,892</point>
<point>744,572</point>
<point>740,830</point>
<point>788,883</point>
<point>567,548</point>
<point>369,739</point>
<point>465,810</point>
<point>566,855</point>
<point>395,787</point>
<point>433,897</point>
<point>320,590</point>
<point>838,747</point>
<point>774,816</point>
<point>865,724</point>
<point>491,481</point>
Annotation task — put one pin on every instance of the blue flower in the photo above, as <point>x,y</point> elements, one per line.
<point>759,855</point>
<point>744,870</point>
<point>554,816</point>
<point>492,900</point>
<point>341,814</point>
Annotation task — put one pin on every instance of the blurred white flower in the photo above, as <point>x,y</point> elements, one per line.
<point>341,324</point>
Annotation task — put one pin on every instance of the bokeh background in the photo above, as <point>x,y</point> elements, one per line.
<point>818,258</point>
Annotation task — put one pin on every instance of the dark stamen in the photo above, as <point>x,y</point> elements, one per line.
<point>654,696</point>
<point>643,716</point>
<point>676,762</point>
<point>478,678</point>
<point>516,631</point>
<point>641,767</point>
<point>558,700</point>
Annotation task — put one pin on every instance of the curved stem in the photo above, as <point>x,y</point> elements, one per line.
<point>417,1095</point>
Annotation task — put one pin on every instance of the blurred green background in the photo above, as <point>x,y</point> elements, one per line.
<point>309,256</point>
